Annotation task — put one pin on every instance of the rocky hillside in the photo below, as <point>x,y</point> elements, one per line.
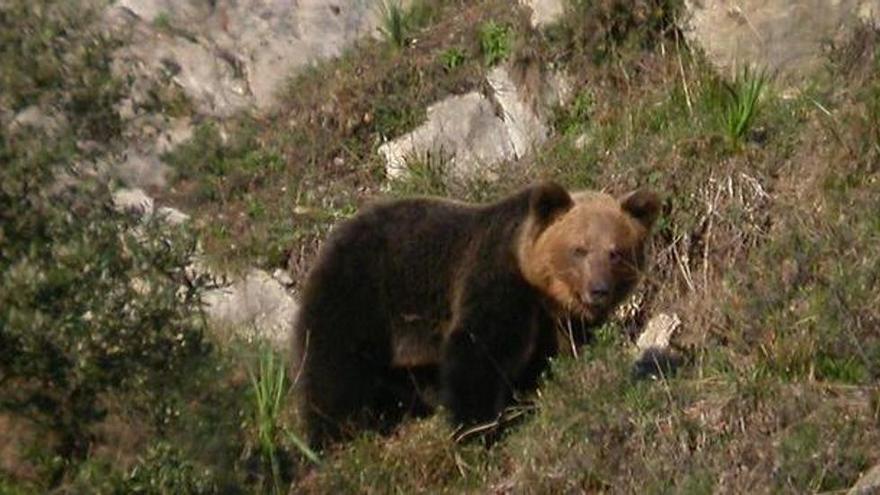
<point>170,169</point>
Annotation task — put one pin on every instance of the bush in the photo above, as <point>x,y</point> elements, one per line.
<point>49,56</point>
<point>91,301</point>
<point>495,42</point>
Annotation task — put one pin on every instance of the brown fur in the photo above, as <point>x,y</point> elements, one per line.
<point>420,301</point>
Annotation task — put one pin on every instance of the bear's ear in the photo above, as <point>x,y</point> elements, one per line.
<point>547,200</point>
<point>643,205</point>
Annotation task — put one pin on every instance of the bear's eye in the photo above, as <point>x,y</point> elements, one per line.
<point>579,251</point>
<point>615,255</point>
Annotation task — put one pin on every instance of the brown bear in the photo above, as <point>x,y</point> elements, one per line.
<point>428,294</point>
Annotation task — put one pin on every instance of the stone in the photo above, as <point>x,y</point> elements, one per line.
<point>467,134</point>
<point>173,134</point>
<point>544,12</point>
<point>254,307</point>
<point>776,35</point>
<point>868,483</point>
<point>658,332</point>
<point>283,277</point>
<point>172,216</point>
<point>655,357</point>
<point>141,170</point>
<point>525,128</point>
<point>152,10</point>
<point>134,201</point>
<point>463,130</point>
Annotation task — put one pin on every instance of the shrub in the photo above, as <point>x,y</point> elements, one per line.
<point>92,301</point>
<point>495,42</point>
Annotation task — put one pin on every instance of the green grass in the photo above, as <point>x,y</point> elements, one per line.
<point>452,58</point>
<point>495,42</point>
<point>394,23</point>
<point>269,386</point>
<point>741,104</point>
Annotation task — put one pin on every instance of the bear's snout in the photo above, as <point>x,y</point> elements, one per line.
<point>599,291</point>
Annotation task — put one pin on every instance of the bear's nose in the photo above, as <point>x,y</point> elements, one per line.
<point>600,290</point>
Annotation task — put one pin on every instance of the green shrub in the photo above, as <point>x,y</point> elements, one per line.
<point>452,58</point>
<point>394,22</point>
<point>269,385</point>
<point>495,42</point>
<point>92,302</point>
<point>49,56</point>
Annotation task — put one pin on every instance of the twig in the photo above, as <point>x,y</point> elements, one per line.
<point>684,83</point>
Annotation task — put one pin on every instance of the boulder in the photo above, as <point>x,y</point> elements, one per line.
<point>470,133</point>
<point>134,201</point>
<point>461,130</point>
<point>139,170</point>
<point>34,117</point>
<point>255,307</point>
<point>782,36</point>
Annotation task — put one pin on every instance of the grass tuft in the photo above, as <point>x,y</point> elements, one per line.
<point>394,26</point>
<point>269,385</point>
<point>495,42</point>
<point>742,103</point>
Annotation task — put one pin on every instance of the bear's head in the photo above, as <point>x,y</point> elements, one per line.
<point>584,251</point>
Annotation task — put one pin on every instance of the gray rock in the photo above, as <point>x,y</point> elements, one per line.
<point>463,129</point>
<point>134,201</point>
<point>141,170</point>
<point>655,357</point>
<point>172,216</point>
<point>231,55</point>
<point>151,10</point>
<point>525,128</point>
<point>173,134</point>
<point>467,132</point>
<point>544,12</point>
<point>283,277</point>
<point>779,35</point>
<point>658,332</point>
<point>255,307</point>
<point>868,483</point>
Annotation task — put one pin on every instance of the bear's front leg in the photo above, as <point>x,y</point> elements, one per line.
<point>474,386</point>
<point>486,349</point>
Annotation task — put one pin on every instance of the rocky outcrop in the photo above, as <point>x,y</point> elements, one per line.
<point>470,133</point>
<point>33,117</point>
<point>224,56</point>
<point>777,35</point>
<point>462,131</point>
<point>229,55</point>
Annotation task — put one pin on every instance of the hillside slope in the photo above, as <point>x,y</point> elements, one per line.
<point>768,251</point>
